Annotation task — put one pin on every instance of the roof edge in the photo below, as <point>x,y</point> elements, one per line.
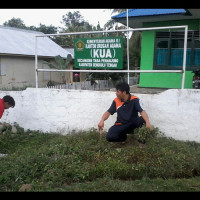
<point>123,14</point>
<point>20,29</point>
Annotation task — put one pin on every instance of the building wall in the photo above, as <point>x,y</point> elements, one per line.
<point>163,80</point>
<point>19,72</point>
<point>175,112</point>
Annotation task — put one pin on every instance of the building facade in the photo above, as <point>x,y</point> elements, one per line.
<point>163,49</point>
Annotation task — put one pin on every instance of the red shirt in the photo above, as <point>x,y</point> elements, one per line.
<point>1,107</point>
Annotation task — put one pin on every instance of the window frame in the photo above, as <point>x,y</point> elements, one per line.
<point>192,35</point>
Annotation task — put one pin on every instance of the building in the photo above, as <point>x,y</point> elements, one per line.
<point>17,58</point>
<point>163,49</point>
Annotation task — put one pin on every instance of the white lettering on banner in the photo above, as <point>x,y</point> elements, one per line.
<point>85,64</point>
<point>90,46</point>
<point>99,64</point>
<point>95,41</point>
<point>118,45</point>
<point>101,53</point>
<point>109,60</point>
<point>110,40</point>
<point>111,65</point>
<point>102,45</point>
<point>96,60</point>
<point>84,60</point>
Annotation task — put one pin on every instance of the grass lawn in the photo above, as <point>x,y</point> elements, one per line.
<point>52,162</point>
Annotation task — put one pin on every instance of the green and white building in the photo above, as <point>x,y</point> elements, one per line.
<point>163,49</point>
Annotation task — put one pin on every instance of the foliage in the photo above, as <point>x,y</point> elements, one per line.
<point>74,22</point>
<point>74,162</point>
<point>19,23</point>
<point>143,133</point>
<point>15,22</point>
<point>112,23</point>
<point>60,63</point>
<point>44,29</point>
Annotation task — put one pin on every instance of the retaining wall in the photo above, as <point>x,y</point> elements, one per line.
<point>175,112</point>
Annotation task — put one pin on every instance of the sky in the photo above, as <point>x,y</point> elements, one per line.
<point>33,17</point>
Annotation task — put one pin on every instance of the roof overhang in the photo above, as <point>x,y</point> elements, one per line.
<point>137,21</point>
<point>28,56</point>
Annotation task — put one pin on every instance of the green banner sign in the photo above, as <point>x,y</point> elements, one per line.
<point>99,53</point>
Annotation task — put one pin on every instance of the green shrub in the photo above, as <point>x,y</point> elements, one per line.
<point>143,133</point>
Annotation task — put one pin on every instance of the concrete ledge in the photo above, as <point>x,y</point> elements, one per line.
<point>175,112</point>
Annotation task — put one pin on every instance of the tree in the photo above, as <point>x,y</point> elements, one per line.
<point>74,22</point>
<point>15,22</point>
<point>134,41</point>
<point>112,23</point>
<point>44,29</point>
<point>135,49</point>
<point>73,19</point>
<point>18,23</point>
<point>60,63</point>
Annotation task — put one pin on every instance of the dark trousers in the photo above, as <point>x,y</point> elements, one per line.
<point>118,133</point>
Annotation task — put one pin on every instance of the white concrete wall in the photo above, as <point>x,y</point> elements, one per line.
<point>175,112</point>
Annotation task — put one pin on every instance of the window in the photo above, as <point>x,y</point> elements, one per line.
<point>46,76</point>
<point>2,68</point>
<point>169,47</point>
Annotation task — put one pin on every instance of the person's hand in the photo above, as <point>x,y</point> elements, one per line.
<point>148,125</point>
<point>101,125</point>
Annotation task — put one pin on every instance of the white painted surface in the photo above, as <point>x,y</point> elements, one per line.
<point>55,110</point>
<point>175,112</point>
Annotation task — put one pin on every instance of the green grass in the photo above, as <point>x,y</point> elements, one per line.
<point>53,162</point>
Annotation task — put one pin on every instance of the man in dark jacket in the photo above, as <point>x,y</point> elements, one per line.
<point>127,107</point>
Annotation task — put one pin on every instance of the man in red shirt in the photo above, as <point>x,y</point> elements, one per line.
<point>6,103</point>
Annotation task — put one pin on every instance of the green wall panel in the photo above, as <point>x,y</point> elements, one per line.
<point>161,80</point>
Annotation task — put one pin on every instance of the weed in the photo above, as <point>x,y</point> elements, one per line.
<point>143,133</point>
<point>53,162</point>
